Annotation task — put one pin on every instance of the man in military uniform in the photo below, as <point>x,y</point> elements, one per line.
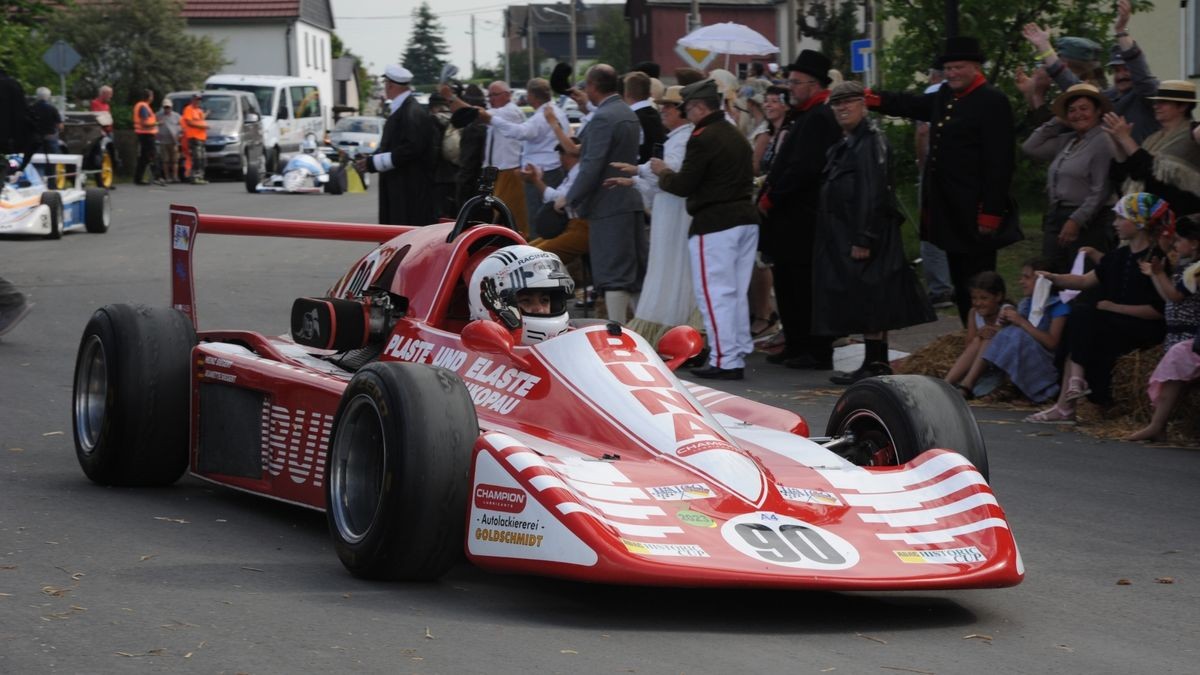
<point>970,164</point>
<point>717,178</point>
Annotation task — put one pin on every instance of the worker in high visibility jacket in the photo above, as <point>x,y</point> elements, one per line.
<point>195,133</point>
<point>145,126</point>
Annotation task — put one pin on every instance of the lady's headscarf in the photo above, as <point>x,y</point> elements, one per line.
<point>1147,211</point>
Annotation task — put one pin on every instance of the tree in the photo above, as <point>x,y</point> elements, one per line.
<point>834,23</point>
<point>426,47</point>
<point>133,45</point>
<point>22,43</point>
<point>612,34</point>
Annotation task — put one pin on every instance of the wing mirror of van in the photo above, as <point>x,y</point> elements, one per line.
<point>252,118</point>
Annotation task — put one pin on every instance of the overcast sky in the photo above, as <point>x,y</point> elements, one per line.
<point>378,30</point>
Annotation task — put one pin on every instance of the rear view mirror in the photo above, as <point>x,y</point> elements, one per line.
<point>679,344</point>
<point>252,118</point>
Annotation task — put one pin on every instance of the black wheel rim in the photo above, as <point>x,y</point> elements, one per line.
<point>357,469</point>
<point>869,427</point>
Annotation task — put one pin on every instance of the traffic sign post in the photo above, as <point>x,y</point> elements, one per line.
<point>62,59</point>
<point>861,53</point>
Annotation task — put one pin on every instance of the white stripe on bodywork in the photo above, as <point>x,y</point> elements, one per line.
<point>632,511</point>
<point>929,516</point>
<point>524,460</point>
<point>915,499</point>
<point>786,444</point>
<point>546,482</point>
<point>655,531</point>
<point>895,481</point>
<point>609,493</point>
<point>943,536</point>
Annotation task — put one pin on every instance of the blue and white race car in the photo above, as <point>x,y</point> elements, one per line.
<point>307,171</point>
<point>33,204</point>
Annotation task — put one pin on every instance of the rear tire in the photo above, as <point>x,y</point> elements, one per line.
<point>905,415</point>
<point>396,490</point>
<point>54,201</point>
<point>131,397</point>
<point>252,177</point>
<point>337,180</point>
<point>97,210</point>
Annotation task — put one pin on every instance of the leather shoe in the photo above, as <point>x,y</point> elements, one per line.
<point>715,373</point>
<point>780,357</point>
<point>808,362</point>
<point>869,370</point>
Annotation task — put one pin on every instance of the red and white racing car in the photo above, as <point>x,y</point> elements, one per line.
<point>422,433</point>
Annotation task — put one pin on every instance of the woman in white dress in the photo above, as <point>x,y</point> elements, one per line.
<point>667,299</point>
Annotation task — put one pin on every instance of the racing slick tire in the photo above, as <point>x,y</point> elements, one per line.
<point>396,488</point>
<point>252,177</point>
<point>131,396</point>
<point>54,201</point>
<point>336,184</point>
<point>97,210</point>
<point>905,415</point>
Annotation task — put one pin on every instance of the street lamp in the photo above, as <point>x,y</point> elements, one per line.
<point>571,20</point>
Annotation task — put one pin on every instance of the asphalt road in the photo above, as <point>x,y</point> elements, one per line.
<point>200,579</point>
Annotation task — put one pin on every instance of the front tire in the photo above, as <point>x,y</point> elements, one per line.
<point>396,490</point>
<point>131,395</point>
<point>336,184</point>
<point>252,177</point>
<point>54,201</point>
<point>905,415</point>
<point>97,210</point>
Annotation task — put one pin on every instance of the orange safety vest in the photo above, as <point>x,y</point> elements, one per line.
<point>149,125</point>
<point>194,125</point>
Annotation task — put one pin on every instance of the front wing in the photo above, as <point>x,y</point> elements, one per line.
<point>930,524</point>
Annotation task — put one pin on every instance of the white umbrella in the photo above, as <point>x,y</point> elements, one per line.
<point>729,38</point>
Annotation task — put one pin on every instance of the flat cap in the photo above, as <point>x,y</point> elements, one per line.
<point>1078,49</point>
<point>700,90</point>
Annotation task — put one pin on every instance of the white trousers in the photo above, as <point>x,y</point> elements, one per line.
<point>721,266</point>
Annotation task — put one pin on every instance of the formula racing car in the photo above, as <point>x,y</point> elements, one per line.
<point>33,204</point>
<point>309,171</point>
<point>410,407</point>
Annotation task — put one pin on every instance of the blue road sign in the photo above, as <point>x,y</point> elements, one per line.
<point>61,57</point>
<point>860,55</point>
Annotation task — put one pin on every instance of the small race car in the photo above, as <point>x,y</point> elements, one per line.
<point>423,429</point>
<point>308,171</point>
<point>33,204</point>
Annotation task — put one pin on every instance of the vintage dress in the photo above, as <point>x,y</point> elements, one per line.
<point>857,208</point>
<point>1023,359</point>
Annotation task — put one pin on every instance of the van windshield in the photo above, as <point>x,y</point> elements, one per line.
<point>219,107</point>
<point>262,93</point>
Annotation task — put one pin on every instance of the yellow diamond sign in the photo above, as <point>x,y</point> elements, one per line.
<point>696,58</point>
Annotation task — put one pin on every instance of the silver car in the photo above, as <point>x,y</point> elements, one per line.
<point>357,135</point>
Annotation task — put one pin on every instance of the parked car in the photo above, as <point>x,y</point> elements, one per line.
<point>235,136</point>
<point>291,109</point>
<point>357,135</point>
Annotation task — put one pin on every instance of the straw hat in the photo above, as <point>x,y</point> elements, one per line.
<point>1059,107</point>
<point>671,96</point>
<point>1181,91</point>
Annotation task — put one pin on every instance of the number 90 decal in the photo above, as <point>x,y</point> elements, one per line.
<point>782,540</point>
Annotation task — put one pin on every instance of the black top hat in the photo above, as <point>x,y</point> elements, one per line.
<point>560,79</point>
<point>962,48</point>
<point>648,67</point>
<point>813,63</point>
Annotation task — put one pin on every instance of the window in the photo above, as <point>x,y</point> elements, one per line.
<point>307,101</point>
<point>307,51</point>
<point>590,41</point>
<point>321,51</point>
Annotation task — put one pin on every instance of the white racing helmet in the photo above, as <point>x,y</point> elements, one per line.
<point>496,281</point>
<point>309,145</point>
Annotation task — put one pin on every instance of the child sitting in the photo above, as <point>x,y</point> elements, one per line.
<point>1127,314</point>
<point>1024,347</point>
<point>1182,309</point>
<point>983,322</point>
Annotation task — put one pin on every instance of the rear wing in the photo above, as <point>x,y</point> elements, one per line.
<point>186,224</point>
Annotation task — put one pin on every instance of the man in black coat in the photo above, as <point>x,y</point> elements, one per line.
<point>406,156</point>
<point>637,95</point>
<point>789,201</point>
<point>970,163</point>
<point>14,119</point>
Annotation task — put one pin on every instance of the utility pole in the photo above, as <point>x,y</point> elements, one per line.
<point>574,46</point>
<point>694,16</point>
<point>473,68</point>
<point>529,36</point>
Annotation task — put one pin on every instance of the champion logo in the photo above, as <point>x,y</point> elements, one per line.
<point>499,498</point>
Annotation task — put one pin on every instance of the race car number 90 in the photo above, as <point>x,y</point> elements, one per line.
<point>783,540</point>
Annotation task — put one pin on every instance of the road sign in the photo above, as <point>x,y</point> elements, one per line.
<point>696,58</point>
<point>861,52</point>
<point>61,57</point>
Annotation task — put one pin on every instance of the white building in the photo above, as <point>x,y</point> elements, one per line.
<point>270,37</point>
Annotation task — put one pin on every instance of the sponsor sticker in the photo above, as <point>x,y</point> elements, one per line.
<point>180,237</point>
<point>219,376</point>
<point>674,493</point>
<point>809,496</point>
<point>782,540</point>
<point>695,518</point>
<point>945,556</point>
<point>671,550</point>
<point>499,498</point>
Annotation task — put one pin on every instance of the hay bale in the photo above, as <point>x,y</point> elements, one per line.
<point>935,358</point>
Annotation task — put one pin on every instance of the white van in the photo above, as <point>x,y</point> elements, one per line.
<point>292,109</point>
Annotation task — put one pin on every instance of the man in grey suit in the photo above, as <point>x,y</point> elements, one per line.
<point>617,239</point>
